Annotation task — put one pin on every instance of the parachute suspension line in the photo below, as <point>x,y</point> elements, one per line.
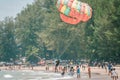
<point>58,44</point>
<point>69,43</point>
<point>73,12</point>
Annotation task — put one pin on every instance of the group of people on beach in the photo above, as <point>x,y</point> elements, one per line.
<point>72,71</point>
<point>111,71</point>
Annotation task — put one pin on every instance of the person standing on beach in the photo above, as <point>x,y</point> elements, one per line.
<point>78,72</point>
<point>109,68</point>
<point>114,74</point>
<point>47,67</point>
<point>63,71</point>
<point>89,71</point>
<point>71,71</point>
<point>56,65</point>
<point>106,68</point>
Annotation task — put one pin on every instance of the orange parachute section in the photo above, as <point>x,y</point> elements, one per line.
<point>73,11</point>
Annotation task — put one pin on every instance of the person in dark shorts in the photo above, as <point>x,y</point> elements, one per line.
<point>109,68</point>
<point>56,65</point>
<point>63,71</point>
<point>78,72</point>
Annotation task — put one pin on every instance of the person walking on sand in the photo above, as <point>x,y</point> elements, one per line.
<point>89,71</point>
<point>114,74</point>
<point>78,72</point>
<point>109,68</point>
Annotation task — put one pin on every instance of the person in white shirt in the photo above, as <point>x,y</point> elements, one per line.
<point>114,74</point>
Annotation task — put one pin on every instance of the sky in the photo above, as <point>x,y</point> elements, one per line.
<point>12,7</point>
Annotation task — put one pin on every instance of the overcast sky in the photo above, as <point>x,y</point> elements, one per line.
<point>12,7</point>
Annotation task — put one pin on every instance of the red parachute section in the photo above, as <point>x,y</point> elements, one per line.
<point>73,11</point>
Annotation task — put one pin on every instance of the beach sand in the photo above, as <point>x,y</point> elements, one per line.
<point>96,73</point>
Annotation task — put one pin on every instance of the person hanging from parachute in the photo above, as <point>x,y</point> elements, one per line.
<point>73,11</point>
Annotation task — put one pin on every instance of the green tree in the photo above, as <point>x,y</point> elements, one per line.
<point>8,49</point>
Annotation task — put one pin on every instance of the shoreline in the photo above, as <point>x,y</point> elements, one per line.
<point>97,73</point>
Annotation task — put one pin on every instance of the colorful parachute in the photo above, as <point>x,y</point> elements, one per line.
<point>73,11</point>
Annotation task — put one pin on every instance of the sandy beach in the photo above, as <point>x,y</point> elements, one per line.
<point>96,73</point>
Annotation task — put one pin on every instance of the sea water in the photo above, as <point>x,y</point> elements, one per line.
<point>31,75</point>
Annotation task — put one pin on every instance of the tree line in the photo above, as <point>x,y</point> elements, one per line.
<point>38,32</point>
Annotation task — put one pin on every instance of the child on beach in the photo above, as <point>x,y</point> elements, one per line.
<point>78,72</point>
<point>71,71</point>
<point>114,74</point>
<point>63,71</point>
<point>47,67</point>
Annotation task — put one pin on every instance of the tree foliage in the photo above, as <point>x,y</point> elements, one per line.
<point>39,32</point>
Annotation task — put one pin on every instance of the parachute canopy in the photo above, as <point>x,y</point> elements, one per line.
<point>73,11</point>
